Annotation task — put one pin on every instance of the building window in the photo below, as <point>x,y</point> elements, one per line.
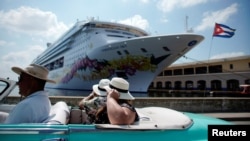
<point>177,85</point>
<point>189,85</point>
<point>168,85</point>
<point>188,71</point>
<point>215,85</point>
<point>159,85</point>
<point>232,85</point>
<point>231,66</point>
<point>168,72</point>
<point>178,72</point>
<point>201,70</point>
<point>201,85</point>
<point>215,69</point>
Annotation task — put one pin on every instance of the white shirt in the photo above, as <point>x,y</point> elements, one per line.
<point>33,109</point>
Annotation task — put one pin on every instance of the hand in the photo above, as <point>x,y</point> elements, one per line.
<point>80,104</point>
<point>92,95</point>
<point>114,94</point>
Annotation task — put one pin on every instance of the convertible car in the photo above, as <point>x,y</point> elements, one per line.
<point>70,124</point>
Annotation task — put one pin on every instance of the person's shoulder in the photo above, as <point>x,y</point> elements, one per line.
<point>23,105</point>
<point>39,94</point>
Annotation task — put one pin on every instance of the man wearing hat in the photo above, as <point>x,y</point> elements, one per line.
<point>119,107</point>
<point>35,108</point>
<point>95,100</point>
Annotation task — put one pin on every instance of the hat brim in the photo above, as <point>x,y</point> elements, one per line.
<point>126,96</point>
<point>99,92</point>
<point>20,70</point>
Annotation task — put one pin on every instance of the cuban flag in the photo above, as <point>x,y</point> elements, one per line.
<point>221,30</point>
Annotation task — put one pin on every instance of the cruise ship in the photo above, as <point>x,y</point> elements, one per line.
<point>224,75</point>
<point>93,49</point>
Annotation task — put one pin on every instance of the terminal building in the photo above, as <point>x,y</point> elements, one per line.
<point>214,75</point>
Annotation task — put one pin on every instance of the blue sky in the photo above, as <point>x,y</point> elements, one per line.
<point>27,25</point>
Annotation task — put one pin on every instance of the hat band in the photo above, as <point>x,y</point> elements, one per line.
<point>101,89</point>
<point>118,89</point>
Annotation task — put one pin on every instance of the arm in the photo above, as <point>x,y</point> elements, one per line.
<point>117,114</point>
<point>86,100</point>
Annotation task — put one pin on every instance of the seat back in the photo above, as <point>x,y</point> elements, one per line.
<point>78,116</point>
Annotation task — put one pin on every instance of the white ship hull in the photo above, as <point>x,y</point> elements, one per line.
<point>83,62</point>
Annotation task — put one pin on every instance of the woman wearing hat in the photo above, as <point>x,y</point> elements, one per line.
<point>95,100</point>
<point>119,107</point>
<point>35,108</point>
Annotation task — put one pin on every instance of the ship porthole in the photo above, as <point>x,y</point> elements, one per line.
<point>143,50</point>
<point>166,48</point>
<point>192,43</point>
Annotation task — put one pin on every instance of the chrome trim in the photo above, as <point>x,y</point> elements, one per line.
<point>33,131</point>
<point>55,139</point>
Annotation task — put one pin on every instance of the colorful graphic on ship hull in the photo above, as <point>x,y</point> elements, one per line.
<point>105,69</point>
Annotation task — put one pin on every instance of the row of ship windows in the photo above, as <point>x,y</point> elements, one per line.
<point>117,27</point>
<point>80,40</point>
<point>120,34</point>
<point>55,64</point>
<point>232,85</point>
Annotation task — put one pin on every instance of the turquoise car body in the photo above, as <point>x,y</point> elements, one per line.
<point>198,131</point>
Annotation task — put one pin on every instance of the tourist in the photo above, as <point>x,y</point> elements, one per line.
<point>35,108</point>
<point>119,103</point>
<point>95,100</point>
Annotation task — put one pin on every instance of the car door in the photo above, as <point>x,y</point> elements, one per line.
<point>6,86</point>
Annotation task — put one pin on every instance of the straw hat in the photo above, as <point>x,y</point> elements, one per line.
<point>34,70</point>
<point>122,86</point>
<point>99,88</point>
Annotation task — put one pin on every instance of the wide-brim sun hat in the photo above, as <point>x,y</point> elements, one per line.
<point>34,70</point>
<point>99,88</point>
<point>122,86</point>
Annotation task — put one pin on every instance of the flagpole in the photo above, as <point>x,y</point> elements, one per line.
<point>211,42</point>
